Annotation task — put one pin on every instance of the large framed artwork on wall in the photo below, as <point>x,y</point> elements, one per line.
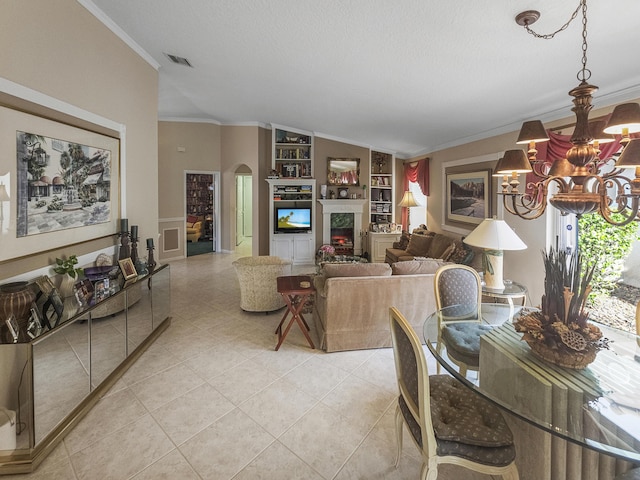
<point>468,196</point>
<point>59,184</point>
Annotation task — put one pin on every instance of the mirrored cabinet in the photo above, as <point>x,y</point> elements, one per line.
<point>48,383</point>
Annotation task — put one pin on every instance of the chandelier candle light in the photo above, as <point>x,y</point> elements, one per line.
<point>494,236</point>
<point>583,187</point>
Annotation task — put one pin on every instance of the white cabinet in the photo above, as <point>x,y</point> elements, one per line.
<point>299,248</point>
<point>378,244</point>
<point>292,218</point>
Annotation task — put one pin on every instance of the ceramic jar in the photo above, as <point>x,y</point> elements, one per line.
<point>16,298</point>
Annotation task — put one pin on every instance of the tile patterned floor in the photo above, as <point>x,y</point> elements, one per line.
<point>211,399</point>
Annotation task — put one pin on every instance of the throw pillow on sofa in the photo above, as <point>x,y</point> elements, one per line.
<point>417,267</point>
<point>419,245</point>
<point>356,270</point>
<point>440,247</point>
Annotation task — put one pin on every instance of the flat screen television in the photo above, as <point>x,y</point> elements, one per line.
<point>293,220</point>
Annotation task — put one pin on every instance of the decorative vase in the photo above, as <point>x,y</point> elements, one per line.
<point>66,286</point>
<point>16,299</point>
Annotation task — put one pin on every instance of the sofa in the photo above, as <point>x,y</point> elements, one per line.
<point>194,228</point>
<point>425,244</point>
<point>351,309</point>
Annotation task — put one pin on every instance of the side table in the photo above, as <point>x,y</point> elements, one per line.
<point>295,293</point>
<point>510,291</point>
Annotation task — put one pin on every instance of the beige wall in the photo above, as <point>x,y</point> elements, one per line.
<point>58,48</point>
<point>523,266</point>
<point>199,145</point>
<point>324,148</point>
<point>240,146</point>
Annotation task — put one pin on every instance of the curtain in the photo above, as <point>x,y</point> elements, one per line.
<point>416,172</point>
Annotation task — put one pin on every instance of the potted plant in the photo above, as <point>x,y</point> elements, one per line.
<point>559,332</point>
<point>67,268</point>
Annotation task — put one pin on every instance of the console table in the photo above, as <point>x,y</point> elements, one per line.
<point>54,379</point>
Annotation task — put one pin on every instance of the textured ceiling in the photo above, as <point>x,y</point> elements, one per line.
<point>405,76</point>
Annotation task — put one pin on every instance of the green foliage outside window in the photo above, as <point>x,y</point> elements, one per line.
<point>606,246</point>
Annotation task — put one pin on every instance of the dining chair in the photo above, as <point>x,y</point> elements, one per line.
<point>447,421</point>
<point>459,285</point>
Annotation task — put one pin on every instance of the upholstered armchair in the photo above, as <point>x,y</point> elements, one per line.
<point>257,277</point>
<point>194,228</point>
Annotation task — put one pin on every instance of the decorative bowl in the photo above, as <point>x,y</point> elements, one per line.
<point>97,273</point>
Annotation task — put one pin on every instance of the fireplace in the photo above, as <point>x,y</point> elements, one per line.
<point>342,233</point>
<point>342,225</point>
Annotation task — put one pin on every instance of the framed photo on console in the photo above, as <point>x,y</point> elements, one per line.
<point>128,269</point>
<point>12,325</point>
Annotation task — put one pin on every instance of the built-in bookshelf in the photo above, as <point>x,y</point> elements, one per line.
<point>381,192</point>
<point>292,152</point>
<point>199,194</point>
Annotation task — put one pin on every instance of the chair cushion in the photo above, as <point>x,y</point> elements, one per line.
<point>460,415</point>
<point>463,341</point>
<point>419,245</point>
<point>488,455</point>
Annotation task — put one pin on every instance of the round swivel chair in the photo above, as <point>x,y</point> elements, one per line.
<point>258,287</point>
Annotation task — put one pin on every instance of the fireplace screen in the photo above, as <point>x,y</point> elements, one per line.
<point>342,233</point>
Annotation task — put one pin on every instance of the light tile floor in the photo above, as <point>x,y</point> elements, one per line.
<point>211,399</point>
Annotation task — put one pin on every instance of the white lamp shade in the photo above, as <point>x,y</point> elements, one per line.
<point>408,200</point>
<point>495,235</point>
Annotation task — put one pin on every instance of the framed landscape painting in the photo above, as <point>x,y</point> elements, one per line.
<point>61,184</point>
<point>468,196</point>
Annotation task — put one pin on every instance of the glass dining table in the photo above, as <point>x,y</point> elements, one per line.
<point>569,420</point>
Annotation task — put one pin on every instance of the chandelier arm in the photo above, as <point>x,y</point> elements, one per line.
<point>627,202</point>
<point>529,205</point>
<point>606,212</point>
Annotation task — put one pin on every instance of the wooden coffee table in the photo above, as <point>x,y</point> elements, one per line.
<point>295,292</point>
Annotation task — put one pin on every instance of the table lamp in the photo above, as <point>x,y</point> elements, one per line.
<point>494,236</point>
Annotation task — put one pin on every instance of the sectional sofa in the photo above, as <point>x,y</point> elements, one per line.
<point>351,309</point>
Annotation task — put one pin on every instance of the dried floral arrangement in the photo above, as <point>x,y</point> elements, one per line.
<point>559,332</point>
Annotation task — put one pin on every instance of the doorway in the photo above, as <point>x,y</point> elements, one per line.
<point>201,208</point>
<point>244,211</point>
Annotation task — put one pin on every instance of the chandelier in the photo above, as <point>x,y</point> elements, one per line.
<point>583,184</point>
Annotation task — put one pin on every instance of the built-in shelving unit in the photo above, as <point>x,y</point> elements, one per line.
<point>381,192</point>
<point>292,152</point>
<point>294,242</point>
<point>199,194</point>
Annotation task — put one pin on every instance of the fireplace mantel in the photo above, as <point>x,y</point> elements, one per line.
<point>355,206</point>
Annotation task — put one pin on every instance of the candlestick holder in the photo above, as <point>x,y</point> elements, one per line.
<point>134,250</point>
<point>141,266</point>
<point>125,248</point>
<point>151,263</point>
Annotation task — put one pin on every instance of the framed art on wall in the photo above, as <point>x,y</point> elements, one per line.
<point>468,195</point>
<point>62,184</point>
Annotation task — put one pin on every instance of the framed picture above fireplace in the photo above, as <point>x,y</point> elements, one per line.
<point>343,171</point>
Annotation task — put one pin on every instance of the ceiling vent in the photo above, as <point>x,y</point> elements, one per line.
<point>179,60</point>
